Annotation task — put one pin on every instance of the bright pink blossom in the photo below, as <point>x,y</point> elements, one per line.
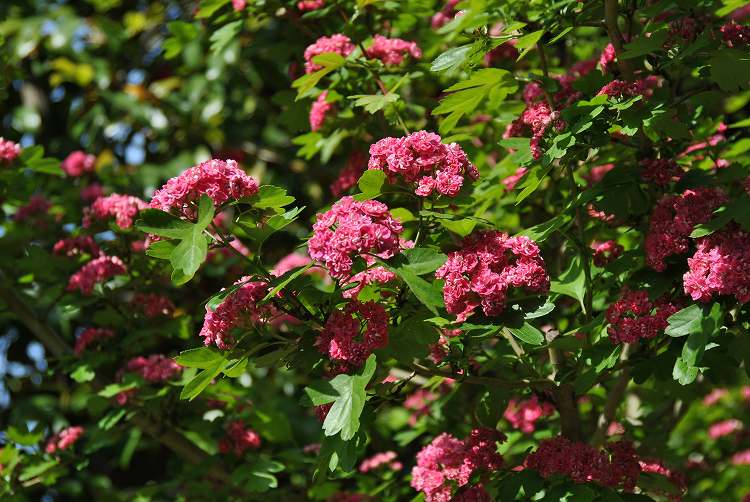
<point>598,173</point>
<point>239,439</point>
<point>371,275</point>
<point>94,272</point>
<point>154,368</point>
<point>741,458</point>
<point>239,309</point>
<point>153,305</point>
<point>715,396</point>
<point>123,208</point>
<point>660,171</point>
<point>720,266</point>
<point>445,15</point>
<point>308,5</point>
<point>355,165</point>
<point>537,118</point>
<point>674,218</point>
<point>392,51</point>
<point>352,334</point>
<point>606,252</point>
<point>724,428</point>
<point>511,181</point>
<point>9,151</point>
<point>383,459</point>
<point>486,269</point>
<point>422,159</point>
<point>64,439</point>
<point>338,43</point>
<point>74,246</point>
<point>524,414</point>
<point>89,336</point>
<point>622,89</point>
<point>78,163</point>
<point>448,462</point>
<point>220,180</point>
<point>352,228</point>
<point>608,58</point>
<point>656,466</point>
<point>239,5</point>
<point>419,403</point>
<point>319,110</point>
<point>290,262</point>
<point>634,317</point>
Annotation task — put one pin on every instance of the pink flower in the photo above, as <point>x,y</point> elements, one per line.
<point>656,466</point>
<point>606,252</point>
<point>445,15</point>
<point>715,396</point>
<point>660,171</point>
<point>154,368</point>
<point>674,218</point>
<point>622,89</point>
<point>38,205</point>
<point>73,246</point>
<point>89,336</point>
<point>720,266</point>
<point>352,334</point>
<point>420,158</point>
<point>308,5</point>
<point>239,309</point>
<point>239,439</point>
<point>384,459</point>
<point>350,229</point>
<point>684,29</point>
<point>91,192</point>
<point>724,428</point>
<point>78,163</point>
<point>372,275</point>
<point>239,5</point>
<point>485,269</point>
<point>741,458</point>
<point>290,262</point>
<point>94,272</point>
<point>511,181</point>
<point>9,151</point>
<point>123,208</point>
<point>597,173</point>
<point>392,51</point>
<point>220,180</point>
<point>504,52</point>
<point>634,317</point>
<point>608,58</point>
<point>735,35</point>
<point>448,462</point>
<point>419,403</point>
<point>350,174</point>
<point>64,439</point>
<point>319,110</point>
<point>537,117</point>
<point>153,305</point>
<point>523,415</point>
<point>338,43</point>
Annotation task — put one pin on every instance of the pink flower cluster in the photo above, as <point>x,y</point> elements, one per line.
<point>622,89</point>
<point>78,163</point>
<point>607,58</point>
<point>617,466</point>
<point>154,368</point>
<point>239,309</point>
<point>735,35</point>
<point>448,462</point>
<point>384,459</point>
<point>349,175</point>
<point>37,205</point>
<point>95,272</point>
<point>352,228</point>
<point>73,246</point>
<point>153,305</point>
<point>220,180</point>
<point>338,43</point>
<point>371,275</point>
<point>511,181</point>
<point>660,171</point>
<point>524,414</point>
<point>656,466</point>
<point>318,111</point>
<point>597,173</point>
<point>674,218</point>
<point>392,51</point>
<point>9,151</point>
<point>308,5</point>
<point>715,396</point>
<point>724,428</point>
<point>444,15</point>
<point>239,439</point>
<point>634,317</point>
<point>419,403</point>
<point>64,439</point>
<point>89,336</point>
<point>685,29</point>
<point>720,266</point>
<point>89,193</point>
<point>741,458</point>
<point>484,270</point>
<point>352,334</point>
<point>422,158</point>
<point>537,117</point>
<point>606,252</point>
<point>123,208</point>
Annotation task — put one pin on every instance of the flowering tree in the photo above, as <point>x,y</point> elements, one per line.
<point>372,250</point>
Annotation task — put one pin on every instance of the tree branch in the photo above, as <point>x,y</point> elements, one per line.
<point>614,398</point>
<point>615,36</point>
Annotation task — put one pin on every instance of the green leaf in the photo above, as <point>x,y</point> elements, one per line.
<point>201,357</point>
<point>645,45</point>
<point>464,97</point>
<point>200,381</point>
<point>270,196</point>
<point>45,166</point>
<point>24,437</point>
<point>572,282</point>
<point>282,281</point>
<point>37,469</point>
<point>685,322</point>
<point>423,260</point>
<point>83,374</point>
<point>190,253</point>
<point>527,42</point>
<point>321,392</point>
<point>259,476</point>
<point>451,59</point>
<point>730,68</point>
<point>343,416</point>
<point>528,333</point>
<point>113,389</point>
<point>373,103</point>
<point>532,181</point>
<point>541,231</point>
<point>221,38</point>
<point>462,226</point>
<point>163,224</point>
<point>371,182</point>
<point>182,34</point>
<point>160,249</point>
<point>426,293</point>
<point>329,61</point>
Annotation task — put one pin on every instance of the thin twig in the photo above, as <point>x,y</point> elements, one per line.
<point>614,398</point>
<point>615,36</point>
